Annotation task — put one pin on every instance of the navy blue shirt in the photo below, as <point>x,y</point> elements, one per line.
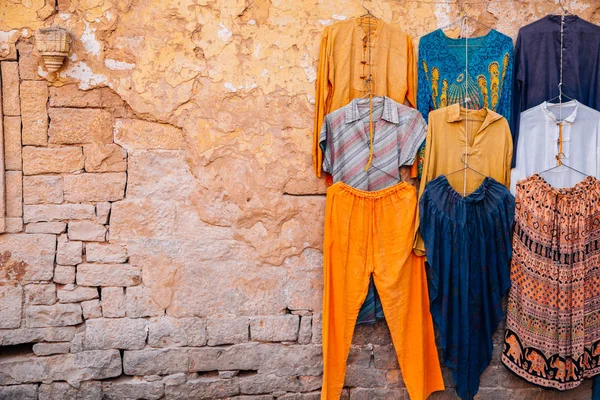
<point>537,65</point>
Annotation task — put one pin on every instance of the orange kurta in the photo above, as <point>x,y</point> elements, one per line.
<point>371,233</point>
<point>344,66</point>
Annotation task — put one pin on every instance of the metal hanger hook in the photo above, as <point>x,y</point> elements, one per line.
<point>462,158</point>
<point>562,6</point>
<point>363,6</point>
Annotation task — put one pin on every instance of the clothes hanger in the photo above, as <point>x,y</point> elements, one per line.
<point>561,164</point>
<point>368,13</point>
<point>563,9</point>
<point>464,170</point>
<point>463,20</point>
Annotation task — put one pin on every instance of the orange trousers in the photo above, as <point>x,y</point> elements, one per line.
<point>372,233</point>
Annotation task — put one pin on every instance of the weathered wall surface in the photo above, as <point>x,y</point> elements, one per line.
<point>163,223</point>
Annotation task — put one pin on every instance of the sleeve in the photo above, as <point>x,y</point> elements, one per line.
<point>324,88</point>
<point>517,95</point>
<point>411,94</point>
<point>419,245</point>
<point>414,135</point>
<point>326,145</point>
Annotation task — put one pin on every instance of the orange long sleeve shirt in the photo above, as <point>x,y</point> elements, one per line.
<point>344,66</point>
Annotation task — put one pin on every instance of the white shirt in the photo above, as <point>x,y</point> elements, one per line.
<point>538,143</point>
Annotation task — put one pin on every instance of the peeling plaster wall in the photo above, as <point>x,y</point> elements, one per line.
<point>210,108</point>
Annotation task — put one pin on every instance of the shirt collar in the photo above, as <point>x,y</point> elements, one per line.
<point>453,114</point>
<point>570,119</point>
<point>390,109</point>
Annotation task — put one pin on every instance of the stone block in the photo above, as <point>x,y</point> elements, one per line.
<point>80,125</point>
<point>282,328</point>
<point>28,66</point>
<point>384,357</point>
<point>227,330</point>
<point>132,388</point>
<point>102,212</point>
<point>113,302</point>
<point>57,212</point>
<point>47,349</point>
<point>73,368</point>
<point>378,394</point>
<point>72,96</point>
<point>305,332</point>
<point>203,389</point>
<point>303,287</point>
<point>104,158</point>
<point>55,315</point>
<point>291,360</point>
<point>11,104</point>
<point>135,134</point>
<point>90,390</point>
<point>108,275</point>
<point>46,227</point>
<point>140,303</point>
<point>43,189</point>
<point>155,361</point>
<point>12,144</point>
<point>40,294</point>
<point>176,332</point>
<point>34,97</point>
<point>27,257</point>
<point>365,377</point>
<point>19,392</point>
<point>115,333</point>
<point>11,308</point>
<point>269,383</point>
<point>317,328</point>
<point>69,252</point>
<point>105,253</point>
<point>77,295</point>
<point>64,274</point>
<point>94,187</point>
<point>42,160</point>
<point>87,231</point>
<point>91,309</point>
<point>14,193</point>
<point>9,337</point>
<point>13,225</point>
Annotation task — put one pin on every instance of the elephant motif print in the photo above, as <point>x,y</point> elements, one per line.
<point>512,347</point>
<point>538,363</point>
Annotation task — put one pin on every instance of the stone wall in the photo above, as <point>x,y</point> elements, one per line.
<point>162,223</point>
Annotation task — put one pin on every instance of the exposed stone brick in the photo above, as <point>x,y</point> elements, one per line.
<point>378,394</point>
<point>91,309</point>
<point>80,125</point>
<point>78,294</point>
<point>34,97</point>
<point>14,193</point>
<point>105,253</point>
<point>12,144</point>
<point>87,231</point>
<point>43,189</point>
<point>72,96</point>
<point>46,227</point>
<point>113,302</point>
<point>40,294</point>
<point>94,187</point>
<point>282,328</point>
<point>140,303</point>
<point>317,328</point>
<point>108,275</point>
<point>175,332</point>
<point>41,160</point>
<point>46,349</point>
<point>11,299</point>
<point>54,212</point>
<point>90,390</point>
<point>64,274</point>
<point>305,332</point>
<point>227,330</point>
<point>271,383</point>
<point>365,377</point>
<point>87,365</point>
<point>132,388</point>
<point>13,225</point>
<point>155,361</point>
<point>55,315</point>
<point>104,158</point>
<point>156,136</point>
<point>19,392</point>
<point>27,257</point>
<point>385,357</point>
<point>203,388</point>
<point>69,252</point>
<point>9,337</point>
<point>115,333</point>
<point>28,62</point>
<point>102,212</point>
<point>11,104</point>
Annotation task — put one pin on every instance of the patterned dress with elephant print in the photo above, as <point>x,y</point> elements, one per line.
<point>552,336</point>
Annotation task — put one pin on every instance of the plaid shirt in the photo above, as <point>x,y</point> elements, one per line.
<point>398,131</point>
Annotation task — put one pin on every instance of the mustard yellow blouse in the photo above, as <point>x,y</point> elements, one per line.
<point>344,66</point>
